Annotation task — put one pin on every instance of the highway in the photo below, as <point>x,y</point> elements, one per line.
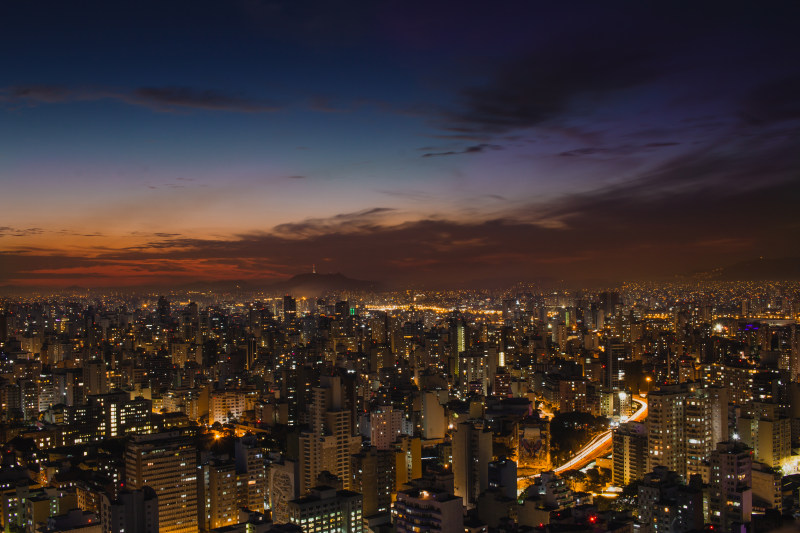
<point>600,444</point>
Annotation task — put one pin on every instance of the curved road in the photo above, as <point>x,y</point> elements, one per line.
<point>600,444</point>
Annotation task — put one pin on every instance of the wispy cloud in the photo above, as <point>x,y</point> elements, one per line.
<point>358,221</point>
<point>628,149</point>
<point>162,99</point>
<point>475,149</point>
<point>8,231</point>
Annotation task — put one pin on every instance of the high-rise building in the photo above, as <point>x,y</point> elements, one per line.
<point>666,429</point>
<point>167,463</point>
<point>668,505</point>
<point>342,309</point>
<point>570,395</point>
<point>329,442</point>
<point>474,372</point>
<point>738,379</point>
<point>283,486</point>
<point>763,428</point>
<point>458,344</point>
<point>730,480</point>
<point>289,308</point>
<point>503,477</point>
<point>326,510</point>
<point>408,460</point>
<point>115,414</point>
<point>428,510</point>
<point>767,487</point>
<point>163,314</point>
<point>225,406</point>
<point>553,491</point>
<point>629,453</point>
<point>385,426</point>
<point>433,421</point>
<point>614,358</point>
<point>95,379</point>
<point>373,478</point>
<point>472,451</point>
<point>718,400</point>
<point>134,511</point>
<point>251,475</point>
<point>697,431</point>
<point>216,494</point>
<point>794,357</point>
<point>684,424</point>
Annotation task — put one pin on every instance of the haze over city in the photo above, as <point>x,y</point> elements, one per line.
<point>415,143</point>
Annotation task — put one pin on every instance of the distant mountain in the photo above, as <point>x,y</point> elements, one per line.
<point>312,284</point>
<point>775,269</point>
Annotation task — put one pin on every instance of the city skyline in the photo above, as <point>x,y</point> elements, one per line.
<point>405,143</point>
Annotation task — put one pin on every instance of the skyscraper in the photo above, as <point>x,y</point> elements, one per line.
<point>472,451</point>
<point>251,474</point>
<point>666,429</point>
<point>373,478</point>
<point>216,492</point>
<point>385,426</point>
<point>731,493</point>
<point>167,463</point>
<point>289,308</point>
<point>668,505</point>
<point>629,453</point>
<point>763,428</point>
<point>329,442</point>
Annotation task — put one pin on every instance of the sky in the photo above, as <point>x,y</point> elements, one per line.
<point>406,142</point>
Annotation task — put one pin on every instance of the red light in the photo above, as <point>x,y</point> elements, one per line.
<point>592,519</point>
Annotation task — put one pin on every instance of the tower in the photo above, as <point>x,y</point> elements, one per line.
<point>329,442</point>
<point>665,429</point>
<point>167,463</point>
<point>472,451</point>
<point>629,453</point>
<point>731,494</point>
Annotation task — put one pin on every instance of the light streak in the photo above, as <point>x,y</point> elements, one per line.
<point>598,445</point>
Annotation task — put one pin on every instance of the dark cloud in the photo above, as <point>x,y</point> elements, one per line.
<point>163,99</point>
<point>475,149</point>
<point>694,212</point>
<point>660,145</point>
<point>541,86</point>
<point>49,94</point>
<point>583,58</point>
<point>776,101</point>
<point>344,223</point>
<point>726,191</point>
<point>7,231</point>
<point>168,98</point>
<point>618,150</point>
